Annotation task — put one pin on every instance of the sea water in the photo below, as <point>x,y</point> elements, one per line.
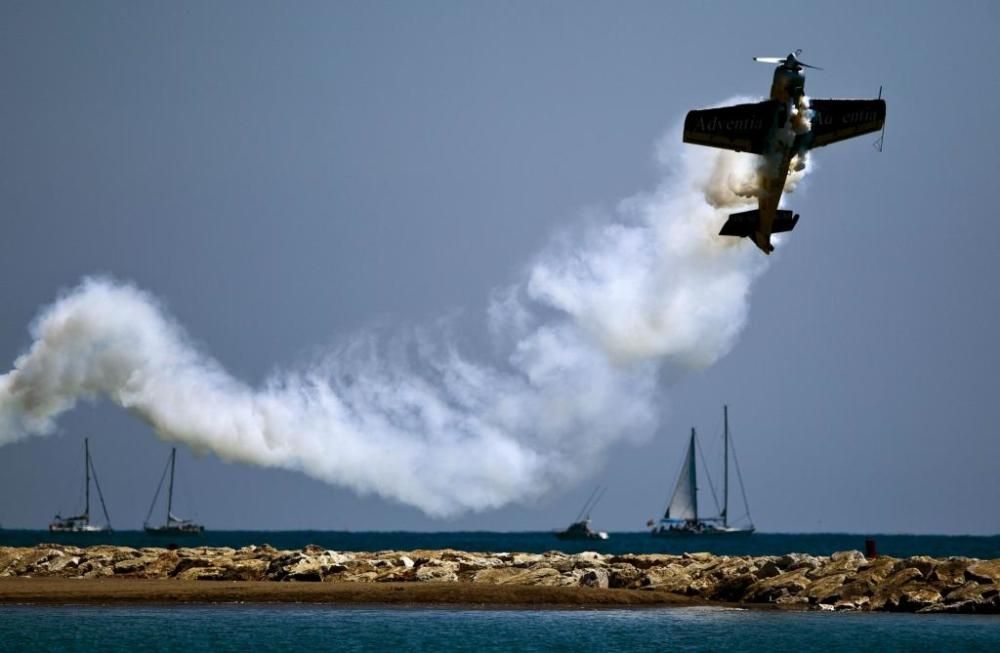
<point>220,628</point>
<point>538,542</point>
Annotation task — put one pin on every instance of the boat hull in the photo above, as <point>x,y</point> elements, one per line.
<point>53,528</point>
<point>677,533</point>
<point>575,536</point>
<point>581,531</point>
<point>174,530</point>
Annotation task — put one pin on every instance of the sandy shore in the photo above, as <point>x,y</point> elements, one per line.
<point>102,591</point>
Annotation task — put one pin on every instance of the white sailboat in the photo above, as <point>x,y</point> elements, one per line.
<point>81,523</point>
<point>681,517</point>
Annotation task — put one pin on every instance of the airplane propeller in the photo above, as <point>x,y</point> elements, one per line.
<point>791,61</point>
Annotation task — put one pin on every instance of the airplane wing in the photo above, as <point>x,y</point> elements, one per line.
<point>837,120</point>
<point>741,127</point>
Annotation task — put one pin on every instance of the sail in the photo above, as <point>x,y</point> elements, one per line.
<point>684,502</point>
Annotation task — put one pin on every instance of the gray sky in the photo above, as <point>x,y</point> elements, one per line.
<point>282,175</point>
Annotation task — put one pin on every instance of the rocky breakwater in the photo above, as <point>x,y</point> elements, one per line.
<point>842,581</point>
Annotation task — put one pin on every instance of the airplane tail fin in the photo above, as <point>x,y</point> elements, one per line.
<point>745,224</point>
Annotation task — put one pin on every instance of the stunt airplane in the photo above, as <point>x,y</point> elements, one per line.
<point>780,128</point>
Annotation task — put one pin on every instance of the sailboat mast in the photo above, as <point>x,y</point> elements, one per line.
<point>725,466</point>
<point>170,489</point>
<point>86,471</point>
<point>692,471</point>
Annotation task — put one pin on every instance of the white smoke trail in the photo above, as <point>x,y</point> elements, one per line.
<point>601,319</point>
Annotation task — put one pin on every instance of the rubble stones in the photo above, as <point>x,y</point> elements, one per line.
<point>842,581</point>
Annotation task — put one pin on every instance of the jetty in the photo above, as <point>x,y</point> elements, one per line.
<point>842,581</point>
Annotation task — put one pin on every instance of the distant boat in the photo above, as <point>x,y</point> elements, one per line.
<point>174,524</point>
<point>580,528</point>
<point>81,523</point>
<point>681,518</point>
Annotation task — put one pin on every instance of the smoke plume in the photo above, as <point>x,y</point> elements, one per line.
<point>603,317</point>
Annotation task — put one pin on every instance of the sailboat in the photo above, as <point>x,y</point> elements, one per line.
<point>174,524</point>
<point>580,528</point>
<point>681,517</point>
<point>81,523</point>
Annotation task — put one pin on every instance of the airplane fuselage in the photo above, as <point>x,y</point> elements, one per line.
<point>788,88</point>
<point>788,85</point>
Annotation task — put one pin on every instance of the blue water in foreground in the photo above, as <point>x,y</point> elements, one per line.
<point>220,628</point>
<point>756,544</point>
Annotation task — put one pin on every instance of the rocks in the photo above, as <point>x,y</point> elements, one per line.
<point>247,570</point>
<point>495,576</point>
<point>791,601</point>
<point>202,573</point>
<point>857,591</point>
<point>887,594</point>
<point>162,565</point>
<point>860,603</point>
<point>541,576</point>
<point>621,574</point>
<point>924,564</point>
<point>311,564</point>
<point>643,561</point>
<point>473,563</point>
<point>842,562</point>
<point>915,598</point>
<point>526,559</point>
<point>592,557</point>
<point>439,572</point>
<point>33,562</point>
<point>671,578</point>
<point>304,569</point>
<point>982,605</point>
<point>771,589</point>
<point>768,570</point>
<point>90,571</point>
<point>950,572</point>
<point>793,561</point>
<point>131,566</point>
<point>984,571</point>
<point>876,570</point>
<point>9,556</point>
<point>595,578</point>
<point>972,591</point>
<point>732,588</point>
<point>63,564</point>
<point>561,563</point>
<point>189,563</point>
<point>827,589</point>
<point>842,581</point>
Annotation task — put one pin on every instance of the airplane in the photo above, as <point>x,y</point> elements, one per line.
<point>780,128</point>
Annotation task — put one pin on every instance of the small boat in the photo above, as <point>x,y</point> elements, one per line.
<point>681,518</point>
<point>174,524</point>
<point>580,529</point>
<point>81,523</point>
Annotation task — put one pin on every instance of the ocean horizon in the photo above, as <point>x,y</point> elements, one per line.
<point>897,545</point>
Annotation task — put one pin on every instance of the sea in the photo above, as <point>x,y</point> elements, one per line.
<point>345,628</point>
<point>973,546</point>
<point>222,628</point>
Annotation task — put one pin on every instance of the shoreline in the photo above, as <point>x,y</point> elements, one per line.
<point>102,574</point>
<point>131,591</point>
